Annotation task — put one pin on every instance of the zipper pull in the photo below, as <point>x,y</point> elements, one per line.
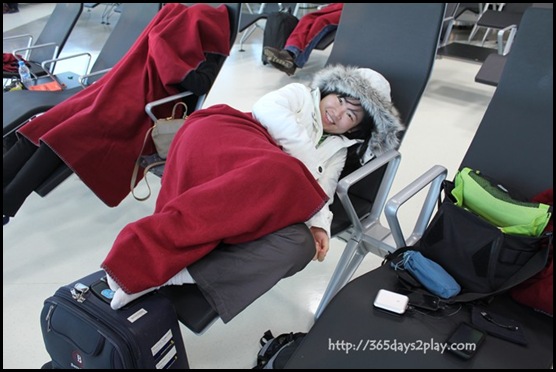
<point>48,318</point>
<point>79,291</point>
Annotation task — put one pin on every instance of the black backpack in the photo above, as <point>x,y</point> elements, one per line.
<point>276,351</point>
<point>279,25</point>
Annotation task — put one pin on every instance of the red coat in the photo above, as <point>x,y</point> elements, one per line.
<point>99,131</point>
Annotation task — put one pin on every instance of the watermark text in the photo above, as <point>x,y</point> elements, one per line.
<point>423,346</point>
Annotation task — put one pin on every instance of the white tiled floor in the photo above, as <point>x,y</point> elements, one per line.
<point>62,237</point>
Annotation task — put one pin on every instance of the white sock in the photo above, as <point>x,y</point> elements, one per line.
<point>121,298</point>
<point>183,277</point>
<point>112,283</point>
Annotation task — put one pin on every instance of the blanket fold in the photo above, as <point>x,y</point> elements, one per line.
<point>225,180</point>
<point>99,131</point>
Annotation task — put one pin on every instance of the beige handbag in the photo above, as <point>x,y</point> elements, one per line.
<point>164,130</point>
<point>162,133</point>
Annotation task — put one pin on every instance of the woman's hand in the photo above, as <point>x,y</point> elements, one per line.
<point>321,243</point>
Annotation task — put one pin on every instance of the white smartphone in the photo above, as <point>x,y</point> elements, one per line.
<point>391,301</point>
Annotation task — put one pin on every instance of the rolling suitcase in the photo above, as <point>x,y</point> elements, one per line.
<point>81,331</point>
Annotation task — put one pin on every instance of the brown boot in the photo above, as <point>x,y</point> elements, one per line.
<point>281,59</point>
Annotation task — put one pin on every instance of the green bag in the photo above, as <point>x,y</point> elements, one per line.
<point>492,202</point>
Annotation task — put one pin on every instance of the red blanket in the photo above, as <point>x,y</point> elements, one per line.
<point>99,131</point>
<point>11,64</point>
<point>225,180</point>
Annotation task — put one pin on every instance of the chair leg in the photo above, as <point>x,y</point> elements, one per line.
<point>251,28</point>
<point>447,33</point>
<point>296,9</point>
<point>348,263</point>
<point>473,32</point>
<point>485,36</point>
<point>246,35</point>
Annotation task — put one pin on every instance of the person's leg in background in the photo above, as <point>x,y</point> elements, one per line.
<point>310,30</point>
<point>25,167</point>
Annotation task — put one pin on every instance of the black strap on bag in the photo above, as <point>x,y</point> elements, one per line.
<point>276,351</point>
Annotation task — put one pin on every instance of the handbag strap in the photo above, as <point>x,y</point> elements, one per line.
<point>185,109</point>
<point>145,172</point>
<point>136,170</point>
<point>147,168</point>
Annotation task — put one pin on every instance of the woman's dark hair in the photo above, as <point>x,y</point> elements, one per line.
<point>363,131</point>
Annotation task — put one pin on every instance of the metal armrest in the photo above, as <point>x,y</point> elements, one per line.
<point>368,235</point>
<point>29,38</point>
<point>150,159</point>
<point>55,60</point>
<point>83,78</point>
<point>39,46</point>
<point>28,49</point>
<point>503,50</point>
<point>392,158</point>
<point>434,176</point>
<point>16,127</point>
<point>149,106</point>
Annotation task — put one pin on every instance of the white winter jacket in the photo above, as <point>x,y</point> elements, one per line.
<point>292,117</point>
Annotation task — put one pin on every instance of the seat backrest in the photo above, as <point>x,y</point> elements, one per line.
<point>513,143</point>
<point>510,14</point>
<point>400,42</point>
<point>234,13</point>
<point>462,7</point>
<point>133,20</point>
<point>451,10</point>
<point>56,30</point>
<point>247,18</point>
<point>516,7</point>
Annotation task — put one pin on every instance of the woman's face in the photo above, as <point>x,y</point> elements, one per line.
<point>340,114</point>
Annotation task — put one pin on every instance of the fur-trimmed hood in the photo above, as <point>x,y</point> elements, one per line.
<point>373,90</point>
